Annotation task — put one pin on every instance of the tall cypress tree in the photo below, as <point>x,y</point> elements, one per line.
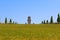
<point>10,21</point>
<point>51,20</point>
<point>6,20</point>
<point>44,21</point>
<point>58,19</point>
<point>47,21</point>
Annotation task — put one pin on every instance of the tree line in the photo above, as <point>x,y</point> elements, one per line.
<point>51,20</point>
<point>10,21</point>
<point>43,22</point>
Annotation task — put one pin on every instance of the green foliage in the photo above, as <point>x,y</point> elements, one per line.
<point>47,21</point>
<point>10,21</point>
<point>51,20</point>
<point>44,21</point>
<point>6,20</point>
<point>58,19</point>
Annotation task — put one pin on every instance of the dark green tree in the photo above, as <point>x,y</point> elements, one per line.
<point>6,20</point>
<point>44,21</point>
<point>51,19</point>
<point>58,18</point>
<point>47,21</point>
<point>10,21</point>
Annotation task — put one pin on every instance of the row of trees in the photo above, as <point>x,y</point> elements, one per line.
<point>10,21</point>
<point>51,20</point>
<point>43,22</point>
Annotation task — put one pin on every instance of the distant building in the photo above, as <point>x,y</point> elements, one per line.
<point>29,20</point>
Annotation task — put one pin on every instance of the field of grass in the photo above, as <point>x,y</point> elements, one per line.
<point>30,32</point>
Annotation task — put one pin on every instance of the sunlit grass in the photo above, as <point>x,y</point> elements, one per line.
<point>30,32</point>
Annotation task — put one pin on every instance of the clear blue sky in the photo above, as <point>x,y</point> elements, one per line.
<point>19,10</point>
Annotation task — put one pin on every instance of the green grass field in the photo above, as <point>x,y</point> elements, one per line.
<point>30,32</point>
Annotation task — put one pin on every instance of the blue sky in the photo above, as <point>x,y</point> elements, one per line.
<point>19,10</point>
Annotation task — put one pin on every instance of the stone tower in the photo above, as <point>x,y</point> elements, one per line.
<point>29,20</point>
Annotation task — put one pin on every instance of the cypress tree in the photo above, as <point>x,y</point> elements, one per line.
<point>44,21</point>
<point>6,20</point>
<point>10,21</point>
<point>58,19</point>
<point>51,20</point>
<point>47,21</point>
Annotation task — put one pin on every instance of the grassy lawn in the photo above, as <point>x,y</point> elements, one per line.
<point>30,32</point>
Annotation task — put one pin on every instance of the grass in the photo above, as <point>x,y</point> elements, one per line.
<point>30,32</point>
